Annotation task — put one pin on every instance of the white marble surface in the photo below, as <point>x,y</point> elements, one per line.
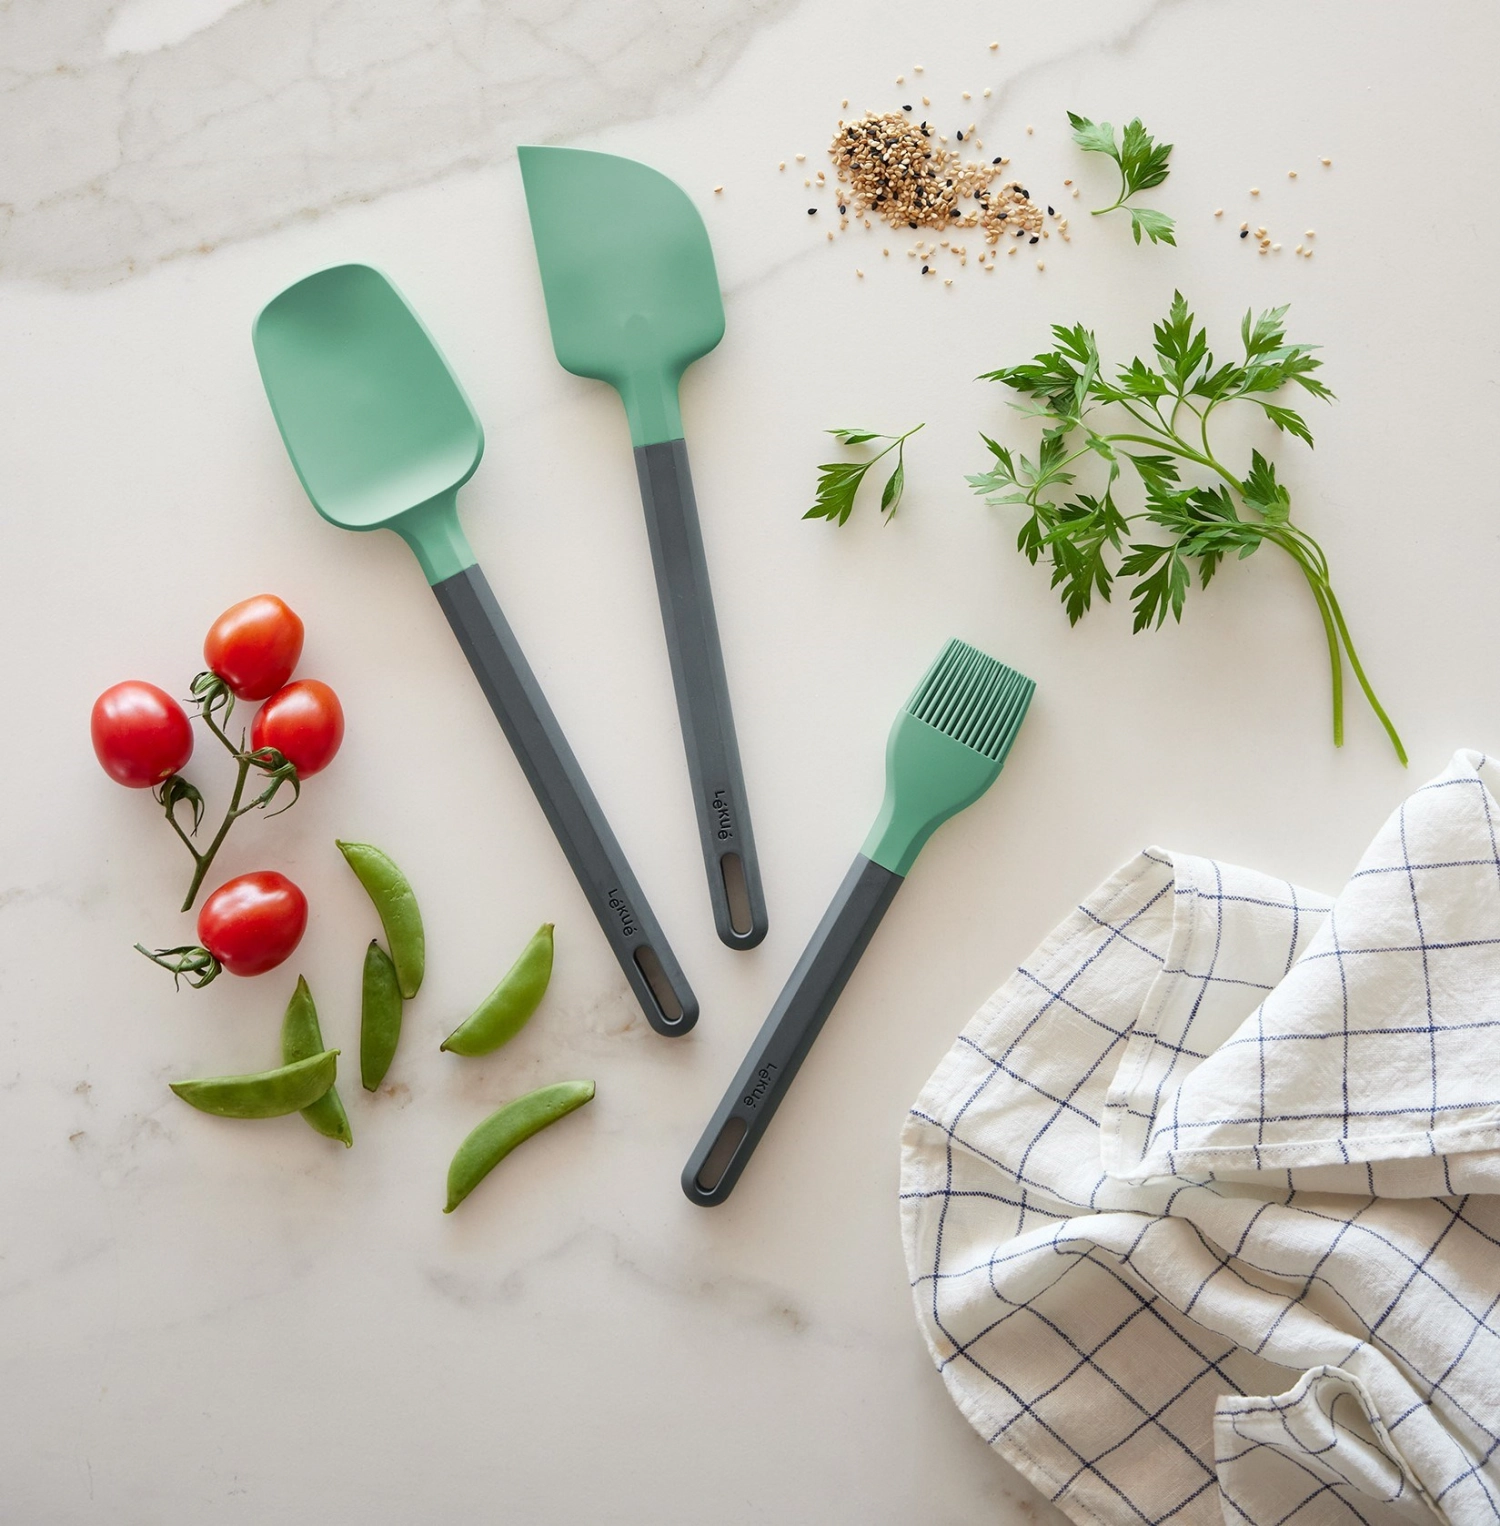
<point>209,1322</point>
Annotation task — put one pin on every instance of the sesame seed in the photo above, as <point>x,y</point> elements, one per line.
<point>993,46</point>
<point>917,68</point>
<point>967,96</point>
<point>859,273</point>
<point>948,283</point>
<point>1011,250</point>
<point>1291,174</point>
<point>900,79</point>
<point>830,235</point>
<point>800,158</point>
<point>1067,182</point>
<point>718,190</point>
<point>844,104</point>
<point>1041,264</point>
<point>1276,248</point>
<point>986,90</point>
<point>1312,233</point>
<point>1244,226</point>
<point>1218,211</point>
<point>1029,131</point>
<point>1298,249</point>
<point>927,100</point>
<point>1075,190</point>
<point>782,165</point>
<point>1307,254</point>
<point>1326,162</point>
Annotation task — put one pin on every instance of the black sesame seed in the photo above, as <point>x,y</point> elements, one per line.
<point>1034,239</point>
<point>1022,191</point>
<point>906,108</point>
<point>812,211</point>
<point>911,225</point>
<point>1244,233</point>
<point>960,137</point>
<point>994,161</point>
<point>924,270</point>
<point>1051,213</point>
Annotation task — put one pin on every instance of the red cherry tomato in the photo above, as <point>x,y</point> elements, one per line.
<point>254,646</point>
<point>251,923</point>
<point>304,722</point>
<point>141,734</point>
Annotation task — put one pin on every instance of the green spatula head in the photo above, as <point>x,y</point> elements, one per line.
<point>632,293</point>
<point>376,425</point>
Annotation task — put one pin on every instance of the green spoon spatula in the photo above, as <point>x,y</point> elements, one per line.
<point>945,750</point>
<point>633,299</point>
<point>382,435</point>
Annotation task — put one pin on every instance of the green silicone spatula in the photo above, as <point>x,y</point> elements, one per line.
<point>382,436</point>
<point>633,299</point>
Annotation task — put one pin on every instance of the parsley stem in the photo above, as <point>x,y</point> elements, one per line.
<point>1364,683</point>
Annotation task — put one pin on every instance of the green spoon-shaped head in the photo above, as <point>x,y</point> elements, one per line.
<point>376,424</point>
<point>632,293</point>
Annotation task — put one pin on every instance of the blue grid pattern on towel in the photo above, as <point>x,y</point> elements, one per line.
<point>1088,1325</point>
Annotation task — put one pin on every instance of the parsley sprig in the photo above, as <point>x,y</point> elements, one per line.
<point>1142,163</point>
<point>1163,414</point>
<point>838,481</point>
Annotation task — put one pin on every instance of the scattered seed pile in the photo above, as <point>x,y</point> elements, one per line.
<point>894,170</point>
<point>899,169</point>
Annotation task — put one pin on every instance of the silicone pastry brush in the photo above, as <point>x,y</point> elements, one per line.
<point>381,434</point>
<point>633,299</point>
<point>945,750</point>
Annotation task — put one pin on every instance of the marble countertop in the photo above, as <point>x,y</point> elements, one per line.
<point>209,1322</point>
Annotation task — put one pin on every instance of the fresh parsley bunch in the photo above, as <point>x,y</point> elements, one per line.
<point>838,481</point>
<point>1162,415</point>
<point>1142,163</point>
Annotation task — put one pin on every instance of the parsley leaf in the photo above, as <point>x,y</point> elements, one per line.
<point>1142,162</point>
<point>839,481</point>
<point>1155,421</point>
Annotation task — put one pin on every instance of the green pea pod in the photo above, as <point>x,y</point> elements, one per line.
<point>505,1011</point>
<point>301,1038</point>
<point>269,1094</point>
<point>397,906</point>
<point>379,1017</point>
<point>501,1132</point>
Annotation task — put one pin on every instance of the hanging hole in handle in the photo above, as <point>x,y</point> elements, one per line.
<point>661,988</point>
<point>711,1172</point>
<point>736,892</point>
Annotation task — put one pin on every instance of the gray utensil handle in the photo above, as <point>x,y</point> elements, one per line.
<point>564,794</point>
<point>788,1033</point>
<point>713,755</point>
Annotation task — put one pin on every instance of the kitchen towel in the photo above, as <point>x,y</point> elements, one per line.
<point>1198,1210</point>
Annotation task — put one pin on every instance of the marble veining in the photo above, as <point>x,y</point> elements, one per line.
<point>284,109</point>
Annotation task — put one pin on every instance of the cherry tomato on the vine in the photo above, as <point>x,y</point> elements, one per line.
<point>254,646</point>
<point>253,922</point>
<point>141,734</point>
<point>304,722</point>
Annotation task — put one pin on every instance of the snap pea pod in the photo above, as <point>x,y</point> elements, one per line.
<point>301,1038</point>
<point>501,1132</point>
<point>379,1017</point>
<point>268,1094</point>
<point>505,1011</point>
<point>397,907</point>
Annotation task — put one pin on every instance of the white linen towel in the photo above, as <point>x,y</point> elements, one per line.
<point>1197,1210</point>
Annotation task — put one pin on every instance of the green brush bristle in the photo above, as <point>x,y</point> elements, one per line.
<point>946,749</point>
<point>973,699</point>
